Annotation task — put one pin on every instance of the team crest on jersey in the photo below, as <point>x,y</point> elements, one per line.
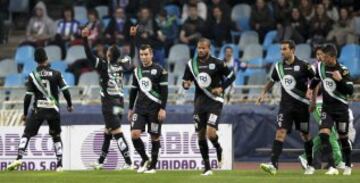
<point>211,66</point>
<point>289,82</point>
<point>153,71</point>
<point>329,84</point>
<point>204,80</point>
<point>145,84</point>
<point>296,68</point>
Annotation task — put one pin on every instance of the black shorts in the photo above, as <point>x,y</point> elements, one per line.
<point>38,116</point>
<point>340,118</point>
<point>140,120</point>
<point>112,109</point>
<point>210,117</point>
<point>299,115</point>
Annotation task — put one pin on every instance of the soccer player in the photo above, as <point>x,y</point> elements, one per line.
<point>336,87</point>
<point>112,98</point>
<point>148,98</point>
<point>211,77</point>
<point>336,149</point>
<point>43,83</point>
<point>293,74</point>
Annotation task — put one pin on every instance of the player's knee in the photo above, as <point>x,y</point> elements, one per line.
<point>325,131</point>
<point>305,136</point>
<point>135,134</point>
<point>211,132</point>
<point>155,137</point>
<point>116,131</point>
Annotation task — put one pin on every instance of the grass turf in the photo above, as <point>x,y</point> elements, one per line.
<point>243,176</point>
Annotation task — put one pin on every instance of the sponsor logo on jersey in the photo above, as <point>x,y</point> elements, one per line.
<point>153,72</point>
<point>204,80</point>
<point>211,66</point>
<point>145,84</point>
<point>329,84</point>
<point>289,82</point>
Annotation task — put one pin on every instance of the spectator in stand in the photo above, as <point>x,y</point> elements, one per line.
<point>320,25</point>
<point>281,9</point>
<point>295,30</point>
<point>261,19</point>
<point>192,29</point>
<point>40,27</point>
<point>218,27</point>
<point>169,29</point>
<point>67,30</point>
<point>306,9</point>
<point>331,10</point>
<point>94,26</point>
<point>343,31</point>
<point>224,7</point>
<point>118,29</point>
<point>151,34</point>
<point>201,9</point>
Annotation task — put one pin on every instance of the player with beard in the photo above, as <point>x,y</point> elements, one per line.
<point>211,77</point>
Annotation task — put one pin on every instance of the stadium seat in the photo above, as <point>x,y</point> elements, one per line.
<point>349,51</point>
<point>303,51</point>
<point>19,6</point>
<point>353,64</point>
<point>3,95</point>
<point>53,52</point>
<point>257,61</point>
<point>14,80</point>
<point>105,21</point>
<point>240,10</point>
<point>234,47</point>
<point>23,54</point>
<point>59,65</point>
<point>252,51</point>
<point>269,39</point>
<point>89,78</point>
<point>179,52</point>
<point>7,66</point>
<point>69,78</point>
<point>173,10</point>
<point>75,53</point>
<point>28,68</point>
<point>102,11</point>
<point>257,78</point>
<point>248,37</point>
<point>273,53</point>
<point>81,14</point>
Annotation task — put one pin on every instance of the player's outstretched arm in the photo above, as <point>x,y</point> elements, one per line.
<point>90,56</point>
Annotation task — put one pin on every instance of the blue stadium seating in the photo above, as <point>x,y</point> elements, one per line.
<point>69,78</point>
<point>14,80</point>
<point>59,65</point>
<point>269,39</point>
<point>273,53</point>
<point>29,67</point>
<point>24,54</point>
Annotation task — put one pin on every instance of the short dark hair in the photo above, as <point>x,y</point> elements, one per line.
<point>145,46</point>
<point>330,49</point>
<point>291,43</point>
<point>192,6</point>
<point>115,52</point>
<point>318,47</point>
<point>68,8</point>
<point>40,55</point>
<point>205,40</point>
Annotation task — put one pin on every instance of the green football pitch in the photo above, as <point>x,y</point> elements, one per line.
<point>253,176</point>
